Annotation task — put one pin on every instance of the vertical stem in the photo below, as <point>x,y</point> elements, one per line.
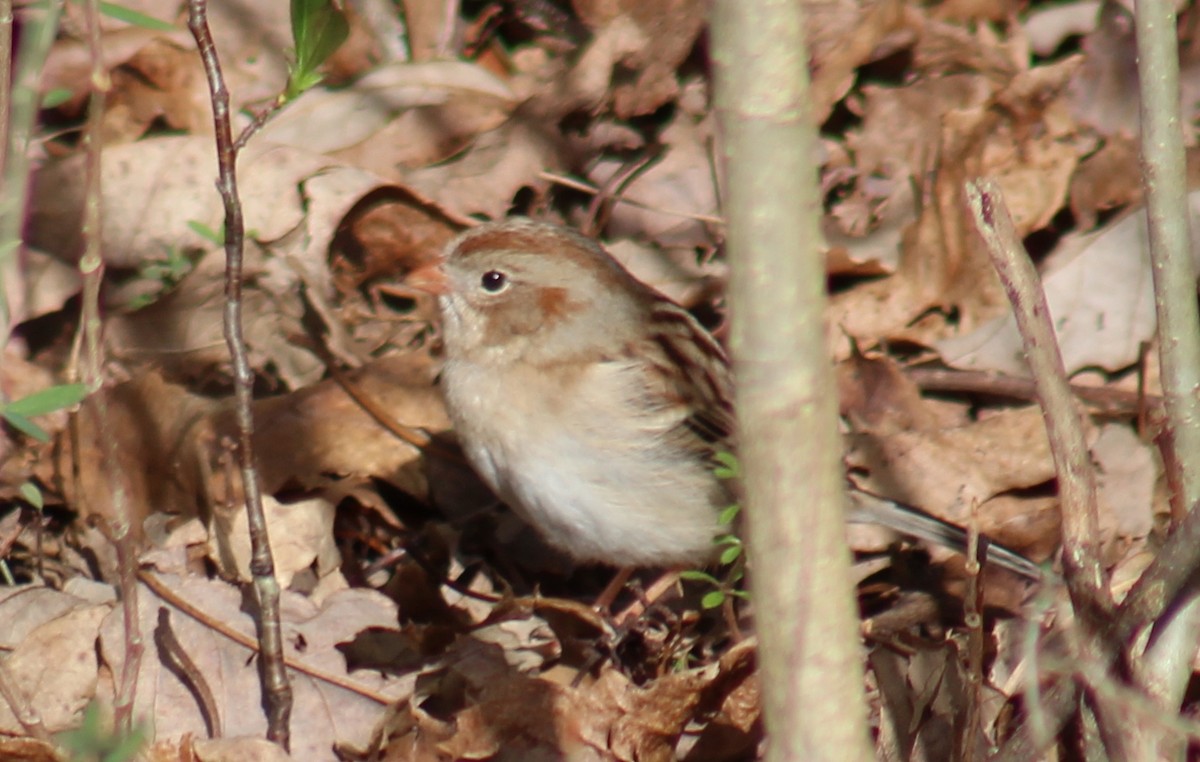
<point>91,267</point>
<point>277,691</point>
<point>1165,669</point>
<point>6,38</point>
<point>810,657</point>
<point>1164,177</point>
<point>1086,578</point>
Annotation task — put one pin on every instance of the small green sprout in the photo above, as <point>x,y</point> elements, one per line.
<point>726,583</point>
<point>96,741</point>
<point>167,273</point>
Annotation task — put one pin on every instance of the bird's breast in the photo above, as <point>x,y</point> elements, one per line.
<point>582,460</point>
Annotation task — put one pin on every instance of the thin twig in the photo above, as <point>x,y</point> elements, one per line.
<point>1164,669</point>
<point>1086,578</point>
<point>1104,401</point>
<point>171,651</point>
<point>973,619</point>
<point>91,268</point>
<point>415,436</point>
<point>592,190</point>
<point>91,264</point>
<point>160,589</point>
<point>257,123</point>
<point>1168,218</point>
<point>813,704</point>
<point>602,203</point>
<point>276,689</point>
<point>6,38</point>
<point>1087,582</point>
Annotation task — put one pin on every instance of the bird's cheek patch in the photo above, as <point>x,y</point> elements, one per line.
<point>555,304</point>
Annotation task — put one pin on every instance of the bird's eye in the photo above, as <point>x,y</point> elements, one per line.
<point>493,281</point>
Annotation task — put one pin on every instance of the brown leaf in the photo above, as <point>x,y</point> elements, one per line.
<point>320,436</point>
<point>398,116</point>
<point>649,40</point>
<point>51,662</point>
<point>28,750</point>
<point>386,235</point>
<point>842,36</point>
<point>150,427</point>
<point>1107,179</point>
<point>945,471</point>
<point>673,195</point>
<point>163,80</point>
<point>877,396</point>
<point>486,178</point>
<point>332,713</point>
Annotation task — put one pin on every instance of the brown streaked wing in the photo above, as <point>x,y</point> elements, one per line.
<point>705,386</point>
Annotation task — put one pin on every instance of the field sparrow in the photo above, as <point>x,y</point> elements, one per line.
<point>590,403</point>
<point>587,401</point>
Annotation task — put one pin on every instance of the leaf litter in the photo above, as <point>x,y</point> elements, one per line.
<point>422,620</point>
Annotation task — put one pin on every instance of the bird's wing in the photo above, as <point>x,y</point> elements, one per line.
<point>687,376</point>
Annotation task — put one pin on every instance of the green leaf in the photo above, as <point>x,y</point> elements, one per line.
<point>727,466</point>
<point>25,426</point>
<point>32,495</point>
<point>731,554</point>
<point>47,400</point>
<point>137,18</point>
<point>318,29</point>
<point>695,575</point>
<point>56,97</point>
<point>298,82</point>
<point>729,514</point>
<point>95,738</point>
<point>713,599</point>
<point>169,270</point>
<point>207,233</point>
<point>127,747</point>
<point>744,595</point>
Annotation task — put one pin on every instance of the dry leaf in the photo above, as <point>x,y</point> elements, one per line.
<point>945,471</point>
<point>364,125</point>
<point>671,192</point>
<point>51,661</point>
<point>331,713</point>
<point>1099,290</point>
<point>643,41</point>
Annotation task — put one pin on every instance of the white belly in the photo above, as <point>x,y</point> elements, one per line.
<point>594,477</point>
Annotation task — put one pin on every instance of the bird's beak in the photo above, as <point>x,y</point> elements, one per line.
<point>430,278</point>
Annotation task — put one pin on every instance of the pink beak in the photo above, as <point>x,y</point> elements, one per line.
<point>430,278</point>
